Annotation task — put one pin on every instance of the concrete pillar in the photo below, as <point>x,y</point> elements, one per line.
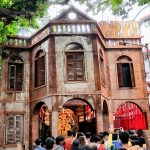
<point>99,120</point>
<point>54,127</point>
<point>2,128</point>
<point>35,128</point>
<point>26,127</point>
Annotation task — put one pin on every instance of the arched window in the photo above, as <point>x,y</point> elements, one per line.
<point>75,62</point>
<point>125,72</point>
<point>39,71</point>
<point>15,68</point>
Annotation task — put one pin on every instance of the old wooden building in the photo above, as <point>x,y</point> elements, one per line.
<point>75,74</point>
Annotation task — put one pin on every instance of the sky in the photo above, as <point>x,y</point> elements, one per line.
<point>136,14</point>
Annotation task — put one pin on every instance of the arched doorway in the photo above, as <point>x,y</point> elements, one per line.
<point>40,122</point>
<point>77,115</point>
<point>130,116</point>
<point>105,116</point>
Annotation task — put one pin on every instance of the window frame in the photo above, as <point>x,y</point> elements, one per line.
<point>15,64</point>
<point>102,67</point>
<point>121,60</point>
<point>36,58</point>
<point>14,135</point>
<point>74,53</point>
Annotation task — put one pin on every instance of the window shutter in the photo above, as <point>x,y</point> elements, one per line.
<point>14,130</point>
<point>70,67</point>
<point>120,77</point>
<point>79,67</point>
<point>102,70</point>
<point>132,74</point>
<point>41,71</point>
<point>19,129</point>
<point>10,131</point>
<point>12,76</point>
<point>19,77</point>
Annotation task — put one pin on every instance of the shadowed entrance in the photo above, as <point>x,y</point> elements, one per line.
<point>77,115</point>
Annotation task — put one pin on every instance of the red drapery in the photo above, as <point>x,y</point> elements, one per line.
<point>130,116</point>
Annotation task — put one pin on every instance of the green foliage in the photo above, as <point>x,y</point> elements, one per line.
<point>25,12</point>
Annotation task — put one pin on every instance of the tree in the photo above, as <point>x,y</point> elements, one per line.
<point>16,13</point>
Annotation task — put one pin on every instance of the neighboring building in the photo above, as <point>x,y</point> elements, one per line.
<point>143,18</point>
<point>72,74</point>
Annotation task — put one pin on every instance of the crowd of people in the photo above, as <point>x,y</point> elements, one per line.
<point>118,140</point>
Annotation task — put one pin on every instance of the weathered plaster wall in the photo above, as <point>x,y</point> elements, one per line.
<point>64,86</point>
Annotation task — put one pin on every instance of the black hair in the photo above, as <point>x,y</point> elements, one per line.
<point>59,139</point>
<point>114,137</point>
<point>82,140</point>
<point>134,142</point>
<point>124,137</point>
<point>105,133</point>
<point>139,133</point>
<point>79,134</point>
<point>95,139</point>
<point>141,141</point>
<point>88,134</point>
<point>38,141</point>
<point>49,143</point>
<point>133,137</point>
<point>69,133</point>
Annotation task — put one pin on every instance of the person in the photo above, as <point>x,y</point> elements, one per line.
<point>75,143</point>
<point>105,138</point>
<point>94,141</point>
<point>88,136</point>
<point>82,142</point>
<point>115,141</point>
<point>142,143</point>
<point>102,145</point>
<point>49,143</point>
<point>38,145</point>
<point>69,140</point>
<point>60,140</point>
<point>124,137</point>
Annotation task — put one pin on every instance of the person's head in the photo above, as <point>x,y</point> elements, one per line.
<point>49,143</point>
<point>94,139</point>
<point>105,135</point>
<point>79,134</point>
<point>82,140</point>
<point>124,137</point>
<point>141,141</point>
<point>60,140</point>
<point>69,133</point>
<point>38,142</point>
<point>88,135</point>
<point>140,133</point>
<point>117,131</point>
<point>114,137</point>
<point>134,142</point>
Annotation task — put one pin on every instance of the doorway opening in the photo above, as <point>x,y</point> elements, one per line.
<point>41,122</point>
<point>77,115</point>
<point>130,116</point>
